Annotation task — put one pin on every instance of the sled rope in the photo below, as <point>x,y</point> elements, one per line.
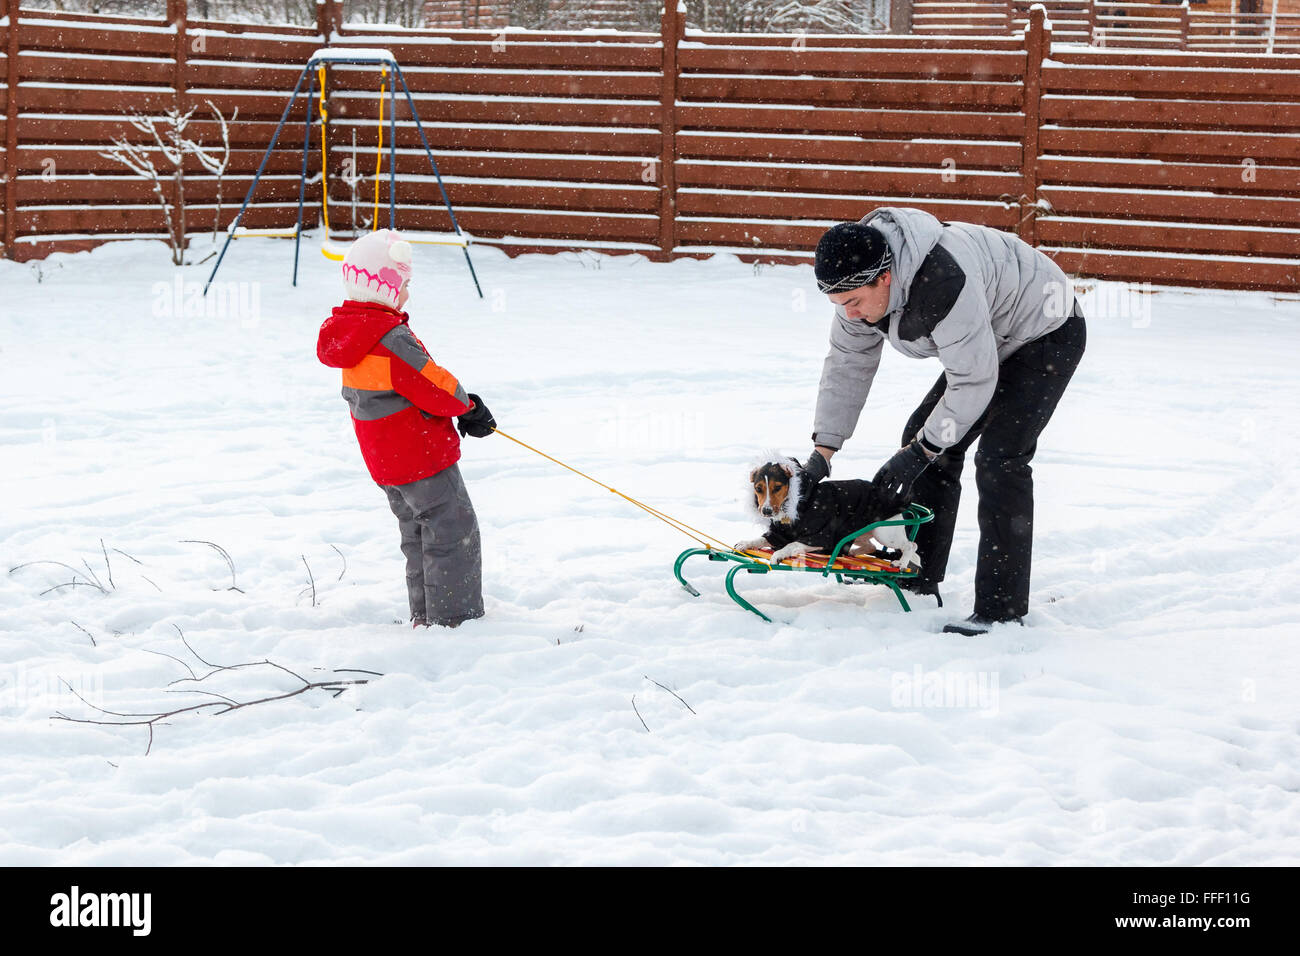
<point>693,533</point>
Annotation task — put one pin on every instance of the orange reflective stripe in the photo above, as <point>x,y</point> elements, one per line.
<point>441,377</point>
<point>372,373</point>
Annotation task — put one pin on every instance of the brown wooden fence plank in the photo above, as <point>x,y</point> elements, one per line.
<point>517,54</point>
<point>840,92</point>
<point>907,122</point>
<point>1158,204</point>
<point>1137,59</point>
<point>864,41</point>
<point>96,69</point>
<point>1175,81</point>
<point>147,41</point>
<point>62,99</point>
<point>34,158</point>
<point>743,205</point>
<point>877,180</point>
<point>553,83</point>
<point>522,222</point>
<point>1241,273</point>
<point>862,63</point>
<point>1175,113</point>
<point>757,233</point>
<point>1173,144</point>
<point>105,191</point>
<point>1193,238</point>
<point>963,155</point>
<point>1248,178</point>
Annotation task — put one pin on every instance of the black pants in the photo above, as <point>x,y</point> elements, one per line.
<point>1030,383</point>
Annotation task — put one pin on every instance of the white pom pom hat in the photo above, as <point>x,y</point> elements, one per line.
<point>377,267</point>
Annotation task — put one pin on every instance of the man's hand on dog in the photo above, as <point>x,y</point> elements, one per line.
<point>895,477</point>
<point>817,467</point>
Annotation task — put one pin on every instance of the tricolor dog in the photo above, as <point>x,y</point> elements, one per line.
<point>817,520</point>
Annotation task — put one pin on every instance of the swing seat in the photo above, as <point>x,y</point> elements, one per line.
<point>244,232</point>
<point>332,249</point>
<point>845,567</point>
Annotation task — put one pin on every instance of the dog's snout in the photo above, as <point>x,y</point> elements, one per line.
<point>767,511</point>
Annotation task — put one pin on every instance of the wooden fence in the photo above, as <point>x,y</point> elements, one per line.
<point>1163,166</point>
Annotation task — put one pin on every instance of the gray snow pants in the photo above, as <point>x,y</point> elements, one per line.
<point>444,556</point>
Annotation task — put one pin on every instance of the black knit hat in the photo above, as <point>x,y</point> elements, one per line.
<point>850,255</point>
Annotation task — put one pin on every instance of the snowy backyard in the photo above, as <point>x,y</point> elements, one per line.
<point>599,714</point>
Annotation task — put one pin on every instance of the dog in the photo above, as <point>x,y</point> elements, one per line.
<point>799,522</point>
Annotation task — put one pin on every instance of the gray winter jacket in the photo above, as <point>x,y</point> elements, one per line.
<point>967,294</point>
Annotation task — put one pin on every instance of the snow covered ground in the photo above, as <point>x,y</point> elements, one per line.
<point>1148,714</point>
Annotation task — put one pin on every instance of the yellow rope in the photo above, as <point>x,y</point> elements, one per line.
<point>379,150</point>
<point>681,526</point>
<point>324,173</point>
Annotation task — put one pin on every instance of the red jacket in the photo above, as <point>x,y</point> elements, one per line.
<point>402,403</point>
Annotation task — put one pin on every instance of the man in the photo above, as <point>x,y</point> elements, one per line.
<point>1002,319</point>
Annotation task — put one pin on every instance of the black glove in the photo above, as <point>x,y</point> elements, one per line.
<point>478,421</point>
<point>816,468</point>
<point>895,477</point>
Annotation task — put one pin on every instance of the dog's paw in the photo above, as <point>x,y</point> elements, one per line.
<point>757,544</point>
<point>794,549</point>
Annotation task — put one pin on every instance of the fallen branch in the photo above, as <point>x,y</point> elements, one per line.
<point>223,703</point>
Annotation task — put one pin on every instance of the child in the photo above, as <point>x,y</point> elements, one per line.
<point>402,405</point>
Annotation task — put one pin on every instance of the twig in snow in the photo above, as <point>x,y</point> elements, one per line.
<point>311,581</point>
<point>94,575</point>
<point>345,562</point>
<point>173,657</point>
<point>132,557</point>
<point>73,583</point>
<point>107,564</point>
<point>221,551</point>
<point>93,642</point>
<point>674,693</point>
<point>638,714</point>
<point>151,581</point>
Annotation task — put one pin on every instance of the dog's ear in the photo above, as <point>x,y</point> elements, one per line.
<point>788,469</point>
<point>753,475</point>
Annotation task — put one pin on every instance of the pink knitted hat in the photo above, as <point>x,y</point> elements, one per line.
<point>376,268</point>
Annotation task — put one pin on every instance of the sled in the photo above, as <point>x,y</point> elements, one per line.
<point>845,567</point>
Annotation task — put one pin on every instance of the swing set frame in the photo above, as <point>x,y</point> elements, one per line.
<point>313,73</point>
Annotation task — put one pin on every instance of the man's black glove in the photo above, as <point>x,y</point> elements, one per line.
<point>478,421</point>
<point>816,467</point>
<point>895,477</point>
